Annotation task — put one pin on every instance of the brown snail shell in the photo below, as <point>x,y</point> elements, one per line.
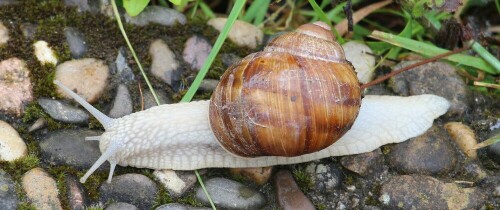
<point>297,96</point>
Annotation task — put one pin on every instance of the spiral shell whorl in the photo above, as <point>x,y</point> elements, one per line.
<point>313,40</point>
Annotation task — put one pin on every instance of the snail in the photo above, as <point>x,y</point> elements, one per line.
<point>299,93</point>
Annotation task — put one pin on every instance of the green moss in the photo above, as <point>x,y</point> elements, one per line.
<point>189,200</point>
<point>25,206</point>
<point>303,179</point>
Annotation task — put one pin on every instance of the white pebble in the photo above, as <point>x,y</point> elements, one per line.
<point>12,146</point>
<point>242,33</point>
<point>4,34</point>
<point>44,53</point>
<point>357,54</point>
<point>163,62</point>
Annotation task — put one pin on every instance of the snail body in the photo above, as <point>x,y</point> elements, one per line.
<point>248,100</point>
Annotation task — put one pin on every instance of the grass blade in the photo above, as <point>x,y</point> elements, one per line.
<point>431,50</point>
<point>322,16</point>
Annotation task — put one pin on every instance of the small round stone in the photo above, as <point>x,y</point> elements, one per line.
<point>325,177</point>
<point>122,69</point>
<point>69,147</point>
<point>63,111</point>
<point>430,153</point>
<point>87,77</point>
<point>157,14</point>
<point>44,53</point>
<point>229,194</point>
<point>242,33</point>
<point>15,85</point>
<point>149,100</point>
<point>41,189</point>
<point>121,206</point>
<point>163,63</point>
<point>176,182</point>
<point>77,197</point>
<point>135,189</point>
<point>12,146</point>
<point>463,136</point>
<point>196,51</point>
<point>122,105</point>
<point>364,164</point>
<point>288,194</point>
<point>259,175</point>
<point>76,42</point>
<point>8,196</point>
<point>436,78</point>
<point>178,206</point>
<point>425,192</point>
<point>4,34</point>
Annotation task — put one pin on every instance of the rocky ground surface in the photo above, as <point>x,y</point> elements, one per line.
<point>43,151</point>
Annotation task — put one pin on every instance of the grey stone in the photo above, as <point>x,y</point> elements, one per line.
<point>28,30</point>
<point>208,85</point>
<point>178,206</point>
<point>326,178</point>
<point>121,206</point>
<point>135,189</point>
<point>68,147</point>
<point>63,111</point>
<point>494,149</point>
<point>364,164</point>
<point>76,42</point>
<point>229,59</point>
<point>230,194</point>
<point>82,5</point>
<point>472,170</point>
<point>149,100</point>
<point>77,197</point>
<point>164,65</point>
<point>8,2</point>
<point>430,153</point>
<point>8,196</point>
<point>436,78</point>
<point>196,50</point>
<point>288,194</point>
<point>157,14</point>
<point>425,192</point>
<point>122,104</point>
<point>122,68</point>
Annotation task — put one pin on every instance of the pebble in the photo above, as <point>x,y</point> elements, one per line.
<point>425,192</point>
<point>149,100</point>
<point>8,196</point>
<point>229,194</point>
<point>164,65</point>
<point>229,59</point>
<point>41,189</point>
<point>122,68</point>
<point>69,147</point>
<point>28,30</point>
<point>178,206</point>
<point>242,33</point>
<point>15,85</point>
<point>44,53</point>
<point>87,76</point>
<point>259,176</point>
<point>122,105</point>
<point>121,206</point>
<point>430,153</point>
<point>326,178</point>
<point>497,191</point>
<point>76,42</point>
<point>38,124</point>
<point>436,78</point>
<point>208,85</point>
<point>176,182</point>
<point>8,2</point>
<point>464,137</point>
<point>81,5</point>
<point>4,34</point>
<point>472,170</point>
<point>360,57</point>
<point>288,194</point>
<point>135,189</point>
<point>157,14</point>
<point>12,146</point>
<point>76,196</point>
<point>364,164</point>
<point>196,50</point>
<point>63,111</point>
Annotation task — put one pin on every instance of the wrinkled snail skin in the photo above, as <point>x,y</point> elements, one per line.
<point>186,136</point>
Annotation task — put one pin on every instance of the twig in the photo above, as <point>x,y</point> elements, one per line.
<point>342,26</point>
<point>488,85</point>
<point>396,72</point>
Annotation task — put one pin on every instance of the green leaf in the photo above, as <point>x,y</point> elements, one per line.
<point>134,7</point>
<point>180,2</point>
<point>418,9</point>
<point>430,50</point>
<point>322,16</point>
